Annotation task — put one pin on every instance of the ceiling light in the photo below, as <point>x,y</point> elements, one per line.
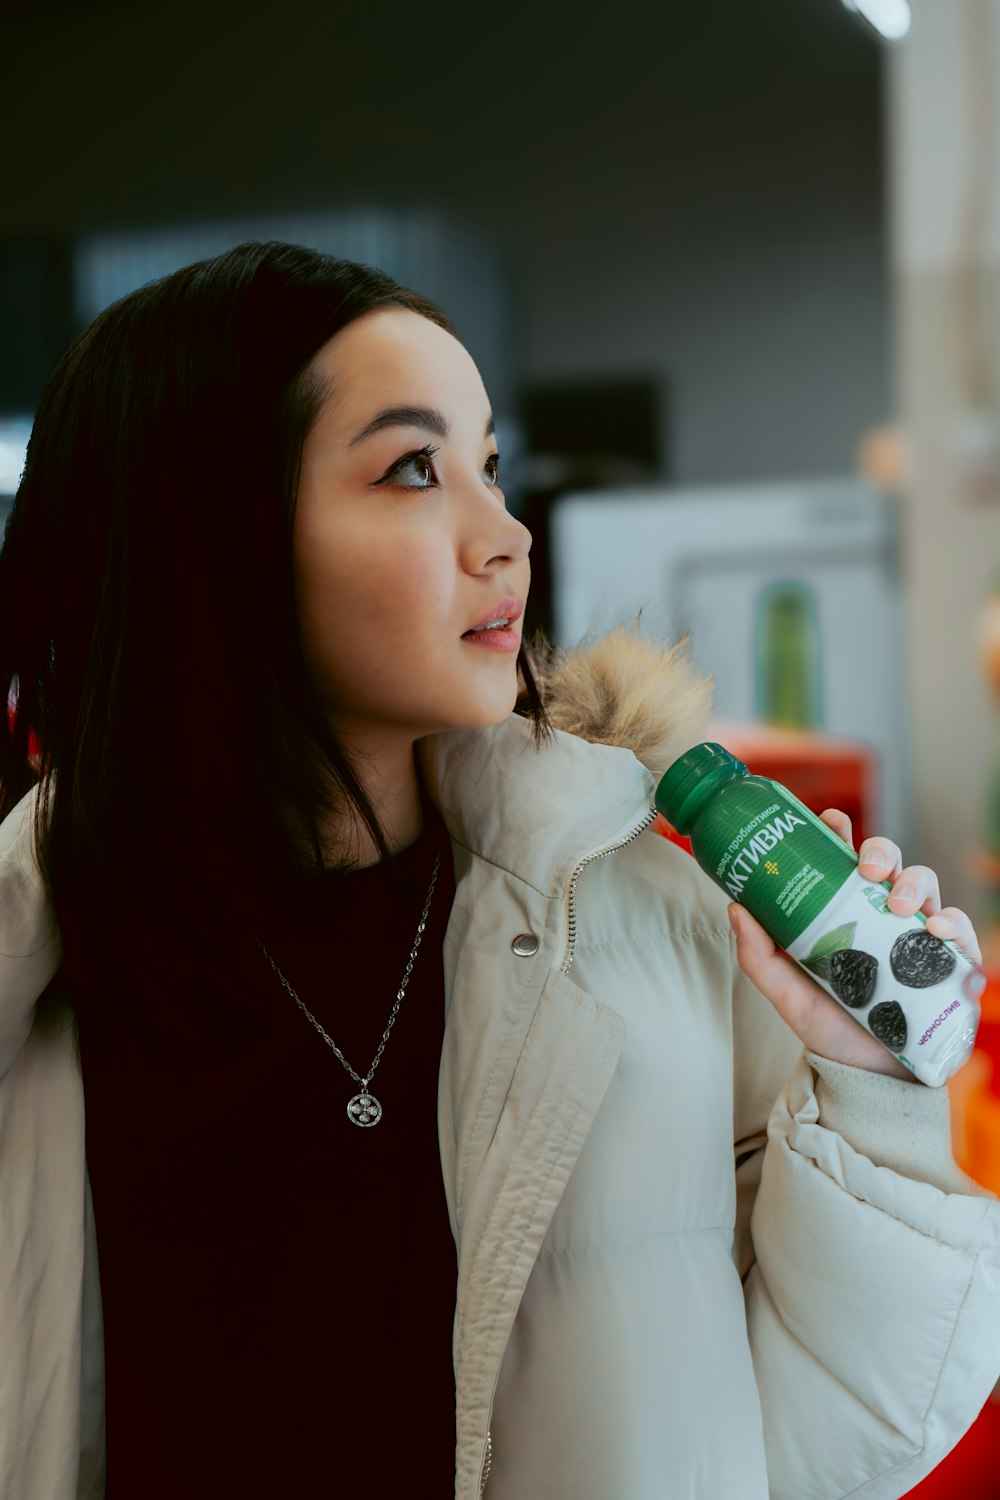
<point>890,18</point>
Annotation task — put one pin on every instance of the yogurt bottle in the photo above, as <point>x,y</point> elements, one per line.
<point>767,851</point>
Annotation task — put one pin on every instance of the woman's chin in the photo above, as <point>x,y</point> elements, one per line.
<point>481,711</point>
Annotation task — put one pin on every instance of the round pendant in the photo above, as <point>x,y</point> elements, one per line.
<point>364,1109</point>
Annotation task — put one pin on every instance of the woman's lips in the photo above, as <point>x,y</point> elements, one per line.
<point>500,639</point>
<point>508,609</point>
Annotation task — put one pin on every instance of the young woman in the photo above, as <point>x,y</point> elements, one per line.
<point>442,1135</point>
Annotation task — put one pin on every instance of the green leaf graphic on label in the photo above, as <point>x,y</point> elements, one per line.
<point>828,944</point>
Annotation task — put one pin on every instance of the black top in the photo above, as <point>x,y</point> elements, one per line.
<point>278,1283</point>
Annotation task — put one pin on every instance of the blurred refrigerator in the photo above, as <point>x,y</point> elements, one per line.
<point>791,596</point>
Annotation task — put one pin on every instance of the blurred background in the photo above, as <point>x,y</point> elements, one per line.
<point>731,272</point>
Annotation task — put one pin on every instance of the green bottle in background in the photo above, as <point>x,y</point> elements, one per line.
<point>787,651</point>
<point>770,853</point>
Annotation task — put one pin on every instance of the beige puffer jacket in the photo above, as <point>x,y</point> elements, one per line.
<point>693,1263</point>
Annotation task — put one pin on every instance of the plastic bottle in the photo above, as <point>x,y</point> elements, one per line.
<point>767,851</point>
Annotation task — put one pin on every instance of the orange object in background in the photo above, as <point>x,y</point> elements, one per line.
<point>975,1099</point>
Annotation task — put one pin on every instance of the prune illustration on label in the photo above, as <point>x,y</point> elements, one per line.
<point>851,974</point>
<point>831,943</point>
<point>919,959</point>
<point>887,1024</point>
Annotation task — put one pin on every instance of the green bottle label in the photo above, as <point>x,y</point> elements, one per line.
<point>771,854</point>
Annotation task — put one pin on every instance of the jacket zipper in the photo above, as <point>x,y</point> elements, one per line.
<point>487,1464</point>
<point>597,854</point>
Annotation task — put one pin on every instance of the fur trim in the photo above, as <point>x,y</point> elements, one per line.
<point>625,689</point>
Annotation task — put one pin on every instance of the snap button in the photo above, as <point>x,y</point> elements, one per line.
<point>525,945</point>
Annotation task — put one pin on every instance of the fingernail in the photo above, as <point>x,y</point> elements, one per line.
<point>875,859</point>
<point>975,984</point>
<point>733,919</point>
<point>905,893</point>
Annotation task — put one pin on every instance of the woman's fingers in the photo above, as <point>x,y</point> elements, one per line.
<point>880,859</point>
<point>840,823</point>
<point>915,889</point>
<point>956,927</point>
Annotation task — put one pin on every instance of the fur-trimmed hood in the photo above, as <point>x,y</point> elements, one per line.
<point>622,708</point>
<point>625,689</point>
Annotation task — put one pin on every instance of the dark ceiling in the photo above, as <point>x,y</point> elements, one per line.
<point>123,114</point>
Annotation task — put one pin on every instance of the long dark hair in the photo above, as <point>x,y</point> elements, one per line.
<point>147,619</point>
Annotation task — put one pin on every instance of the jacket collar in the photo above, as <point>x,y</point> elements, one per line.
<point>623,708</point>
<point>533,811</point>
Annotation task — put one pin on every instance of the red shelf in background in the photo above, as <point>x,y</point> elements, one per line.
<point>822,770</point>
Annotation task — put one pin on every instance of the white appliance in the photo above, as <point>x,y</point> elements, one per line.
<point>704,561</point>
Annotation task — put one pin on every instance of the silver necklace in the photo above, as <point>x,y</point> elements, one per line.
<point>364,1109</point>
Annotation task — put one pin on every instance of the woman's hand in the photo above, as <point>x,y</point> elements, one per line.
<point>825,1027</point>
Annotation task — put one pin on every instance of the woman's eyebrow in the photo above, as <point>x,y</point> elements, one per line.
<point>411,416</point>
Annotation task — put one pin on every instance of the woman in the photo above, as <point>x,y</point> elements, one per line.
<point>368,968</point>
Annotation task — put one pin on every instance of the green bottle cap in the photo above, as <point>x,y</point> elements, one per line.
<point>692,778</point>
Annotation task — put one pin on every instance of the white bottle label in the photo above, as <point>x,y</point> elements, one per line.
<point>905,986</point>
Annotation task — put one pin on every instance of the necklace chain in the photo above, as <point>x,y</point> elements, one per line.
<point>365,1097</point>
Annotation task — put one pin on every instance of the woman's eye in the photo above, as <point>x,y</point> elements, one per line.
<point>420,464</point>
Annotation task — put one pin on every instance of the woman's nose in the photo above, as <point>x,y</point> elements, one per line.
<point>520,544</point>
<point>502,537</point>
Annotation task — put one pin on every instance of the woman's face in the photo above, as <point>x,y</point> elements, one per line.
<point>399,551</point>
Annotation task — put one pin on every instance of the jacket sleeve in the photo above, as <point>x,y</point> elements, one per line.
<point>30,944</point>
<point>871,1267</point>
